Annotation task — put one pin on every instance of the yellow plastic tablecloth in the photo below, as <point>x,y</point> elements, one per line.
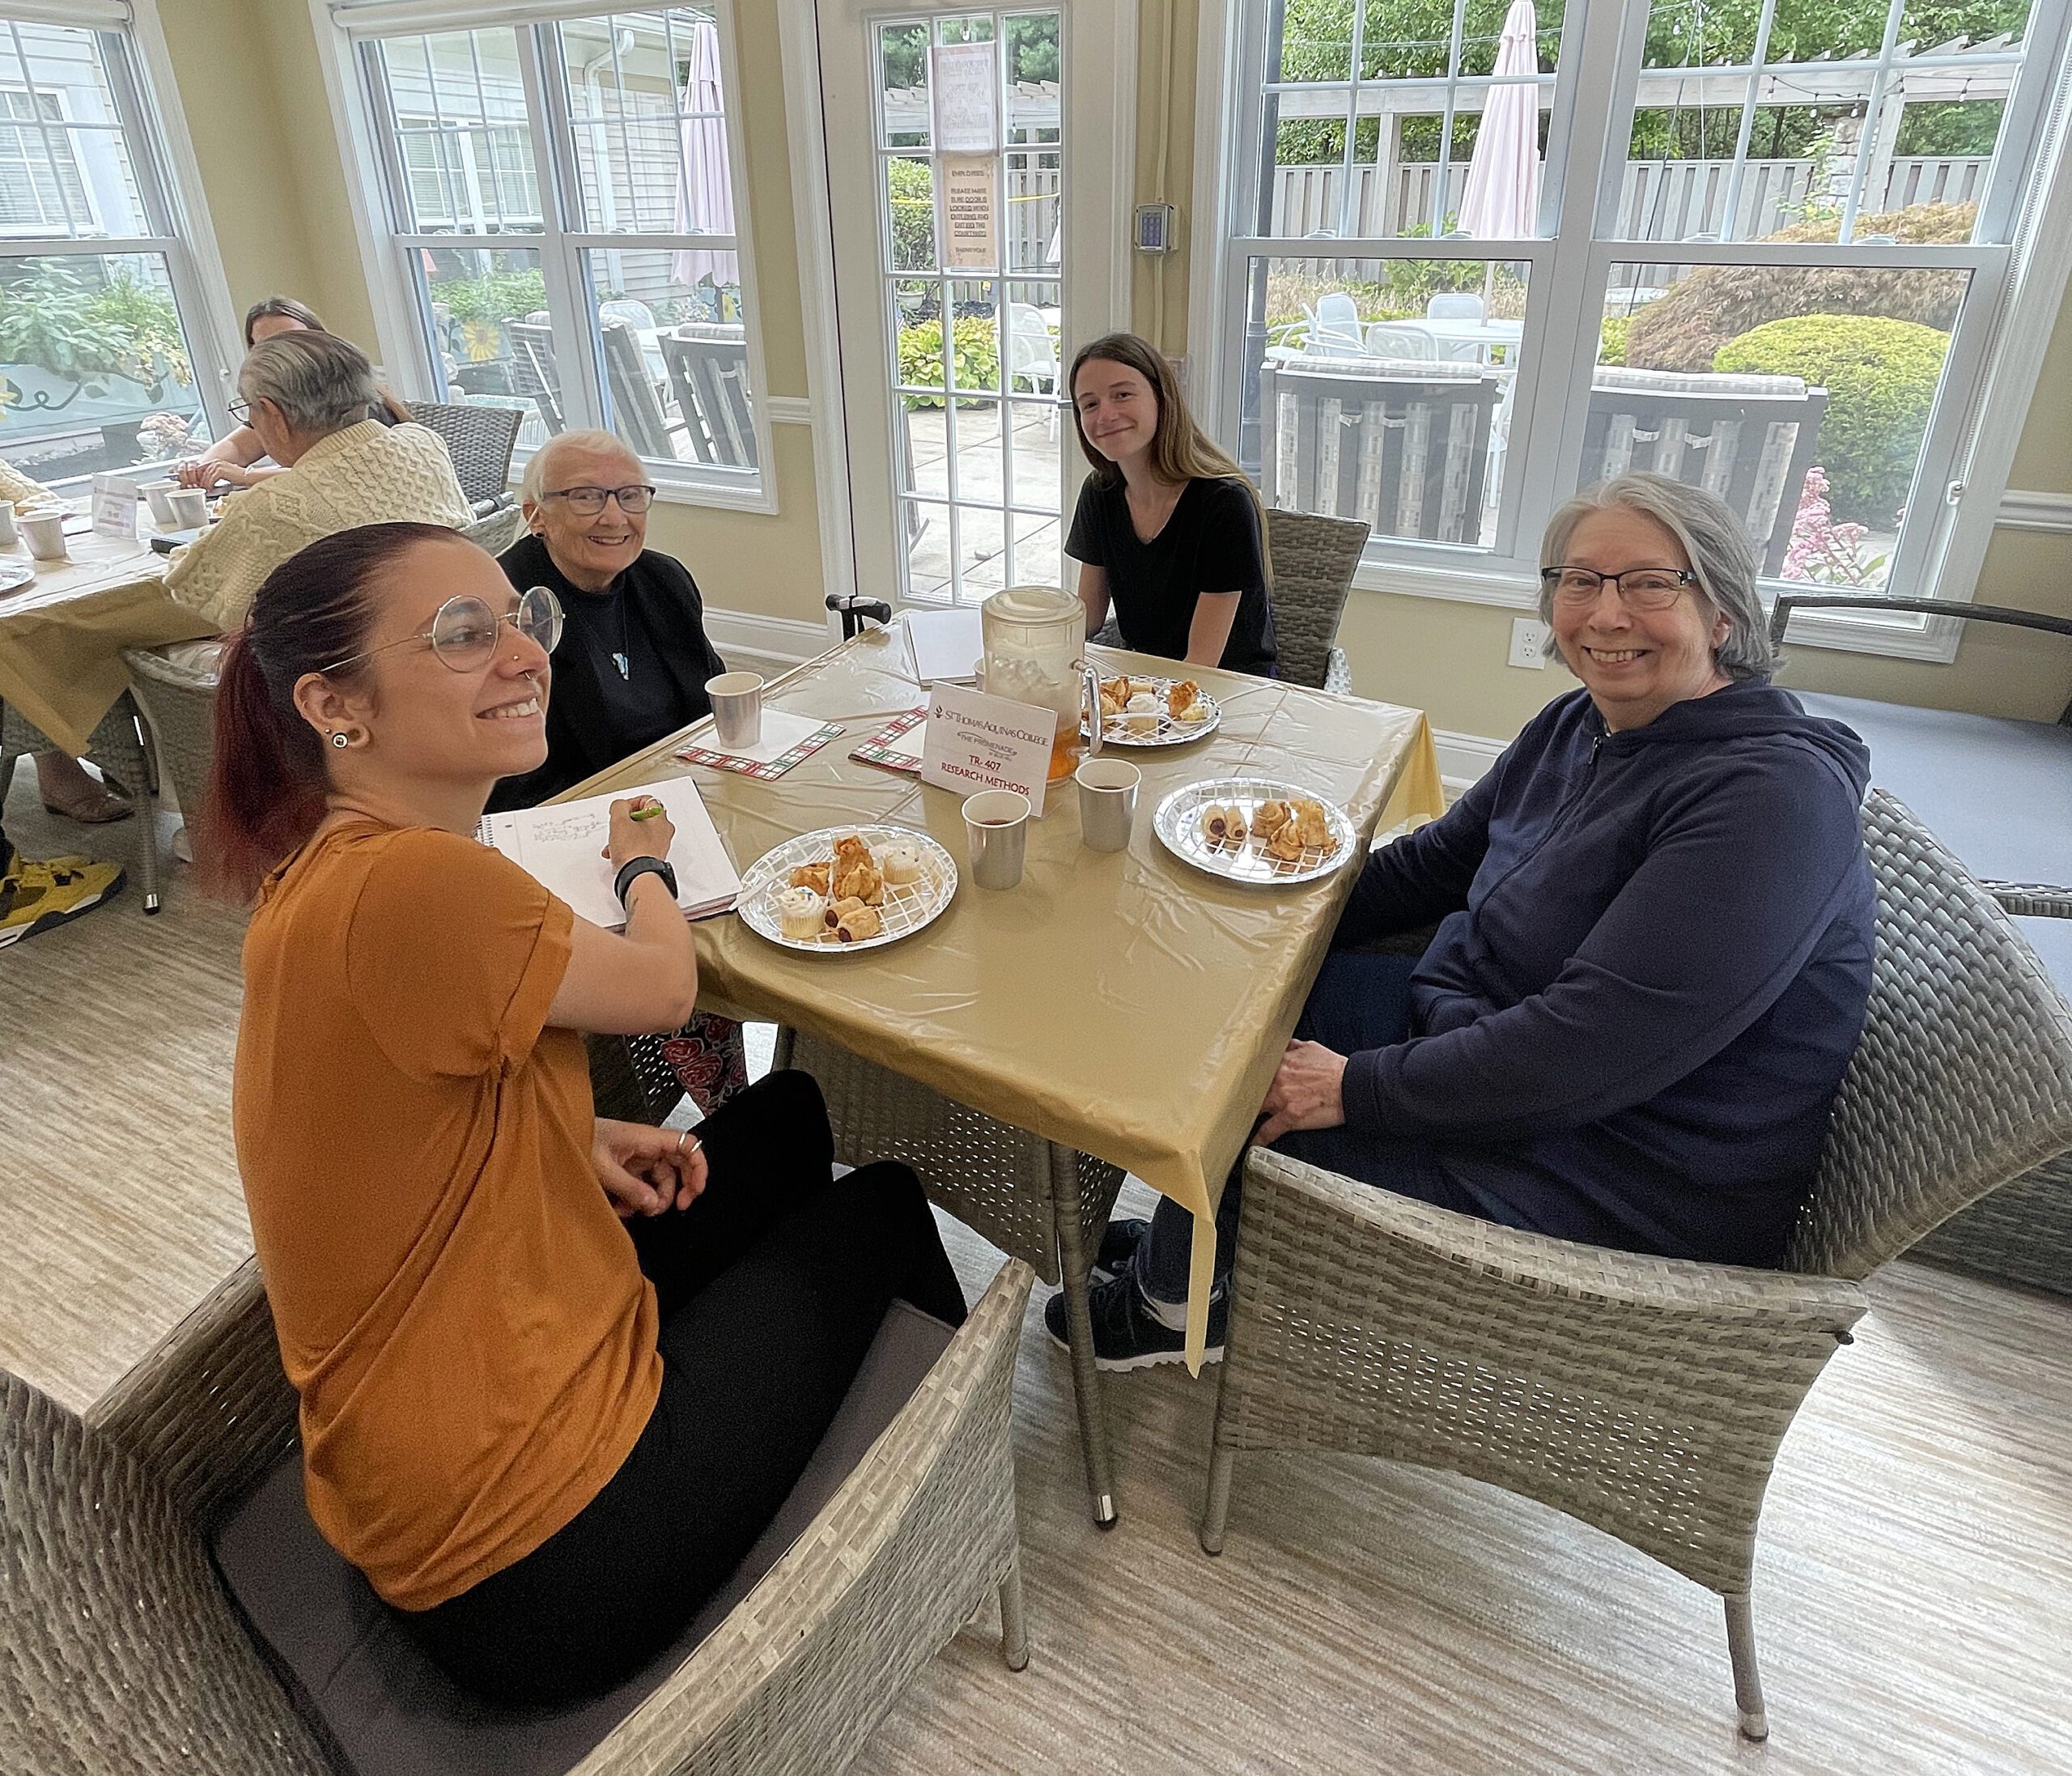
<point>1124,1004</point>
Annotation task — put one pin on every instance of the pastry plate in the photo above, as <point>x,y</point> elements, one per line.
<point>906,910</point>
<point>14,575</point>
<point>1115,730</point>
<point>1178,824</point>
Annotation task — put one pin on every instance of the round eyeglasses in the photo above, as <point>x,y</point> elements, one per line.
<point>1639,588</point>
<point>587,502</point>
<point>464,631</point>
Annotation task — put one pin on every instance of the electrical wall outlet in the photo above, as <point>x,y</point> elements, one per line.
<point>1529,643</point>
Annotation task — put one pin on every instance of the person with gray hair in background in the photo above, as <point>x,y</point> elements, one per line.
<point>1653,950</point>
<point>307,395</point>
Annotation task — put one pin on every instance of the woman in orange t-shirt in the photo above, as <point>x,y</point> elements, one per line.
<point>557,1373</point>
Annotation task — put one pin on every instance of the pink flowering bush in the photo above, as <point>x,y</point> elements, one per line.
<point>1826,553</point>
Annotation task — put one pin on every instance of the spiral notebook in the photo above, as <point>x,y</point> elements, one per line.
<point>562,847</point>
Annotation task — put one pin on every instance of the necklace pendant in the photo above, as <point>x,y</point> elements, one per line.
<point>624,665</point>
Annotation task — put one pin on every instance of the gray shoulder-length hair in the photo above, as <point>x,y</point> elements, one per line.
<point>320,382</point>
<point>1714,542</point>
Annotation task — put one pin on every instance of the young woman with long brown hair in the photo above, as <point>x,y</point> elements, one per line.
<point>1169,533</point>
<point>544,1442</point>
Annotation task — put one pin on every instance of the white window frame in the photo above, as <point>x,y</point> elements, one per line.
<point>341,26</point>
<point>2011,307</point>
<point>169,182</point>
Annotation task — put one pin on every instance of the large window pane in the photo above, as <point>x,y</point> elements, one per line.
<point>94,373</point>
<point>491,333</point>
<point>648,111</point>
<point>65,167</point>
<point>1800,395</point>
<point>1383,390</point>
<point>675,352</point>
<point>458,100</point>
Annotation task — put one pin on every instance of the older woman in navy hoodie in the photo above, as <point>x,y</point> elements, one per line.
<point>1653,955</point>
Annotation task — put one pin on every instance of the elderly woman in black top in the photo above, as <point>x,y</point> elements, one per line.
<point>634,659</point>
<point>630,666</point>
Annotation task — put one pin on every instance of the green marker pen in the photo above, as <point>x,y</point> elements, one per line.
<point>649,812</point>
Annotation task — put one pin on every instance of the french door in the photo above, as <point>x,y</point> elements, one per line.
<point>978,196</point>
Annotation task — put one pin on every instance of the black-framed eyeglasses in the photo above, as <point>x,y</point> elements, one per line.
<point>587,502</point>
<point>1639,588</point>
<point>464,631</point>
<point>240,411</point>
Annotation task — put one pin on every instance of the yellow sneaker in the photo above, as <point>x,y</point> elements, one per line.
<point>34,895</point>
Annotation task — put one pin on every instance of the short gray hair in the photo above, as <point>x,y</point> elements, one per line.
<point>534,482</point>
<point>320,382</point>
<point>1715,543</point>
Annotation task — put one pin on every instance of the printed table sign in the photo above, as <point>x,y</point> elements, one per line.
<point>115,506</point>
<point>972,741</point>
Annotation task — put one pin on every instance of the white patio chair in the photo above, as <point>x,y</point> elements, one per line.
<point>1454,305</point>
<point>1399,339</point>
<point>1032,355</point>
<point>1334,325</point>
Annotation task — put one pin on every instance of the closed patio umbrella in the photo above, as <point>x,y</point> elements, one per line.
<point>1502,199</point>
<point>705,194</point>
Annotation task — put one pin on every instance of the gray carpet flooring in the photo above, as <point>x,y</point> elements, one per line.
<point>1913,1594</point>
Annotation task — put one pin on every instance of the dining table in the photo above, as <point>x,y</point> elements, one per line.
<point>1125,1004</point>
<point>59,668</point>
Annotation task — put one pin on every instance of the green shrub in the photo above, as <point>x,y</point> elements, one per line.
<point>1612,338</point>
<point>1880,375</point>
<point>1716,303</point>
<point>910,186</point>
<point>978,356</point>
<point>495,296</point>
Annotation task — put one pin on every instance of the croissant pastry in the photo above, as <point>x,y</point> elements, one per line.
<point>813,876</point>
<point>1184,693</point>
<point>1287,844</point>
<point>1311,827</point>
<point>855,873</point>
<point>1114,695</point>
<point>1269,818</point>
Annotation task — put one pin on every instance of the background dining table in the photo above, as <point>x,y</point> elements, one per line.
<point>55,669</point>
<point>1125,1004</point>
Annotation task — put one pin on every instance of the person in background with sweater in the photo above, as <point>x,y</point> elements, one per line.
<point>1653,955</point>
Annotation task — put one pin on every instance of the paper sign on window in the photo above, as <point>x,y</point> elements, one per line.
<point>964,87</point>
<point>971,219</point>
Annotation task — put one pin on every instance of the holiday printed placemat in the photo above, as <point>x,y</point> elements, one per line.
<point>786,740</point>
<point>890,747</point>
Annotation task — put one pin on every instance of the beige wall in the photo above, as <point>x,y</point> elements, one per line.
<point>251,86</point>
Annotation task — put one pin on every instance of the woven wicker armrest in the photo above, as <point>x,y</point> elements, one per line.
<point>208,1410</point>
<point>148,663</point>
<point>1373,1221</point>
<point>889,1570</point>
<point>2031,899</point>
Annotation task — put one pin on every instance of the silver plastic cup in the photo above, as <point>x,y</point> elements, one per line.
<point>736,709</point>
<point>190,507</point>
<point>997,828</point>
<point>1107,802</point>
<point>7,533</point>
<point>46,533</point>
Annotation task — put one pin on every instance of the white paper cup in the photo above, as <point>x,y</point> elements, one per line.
<point>736,709</point>
<point>1107,802</point>
<point>190,507</point>
<point>46,533</point>
<point>159,494</point>
<point>997,830</point>
<point>8,535</point>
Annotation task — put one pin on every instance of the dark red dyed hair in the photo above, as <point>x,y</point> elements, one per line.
<point>268,777</point>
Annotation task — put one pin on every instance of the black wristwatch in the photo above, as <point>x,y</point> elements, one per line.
<point>639,867</point>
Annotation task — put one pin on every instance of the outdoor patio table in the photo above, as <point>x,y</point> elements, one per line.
<point>1124,1004</point>
<point>57,667</point>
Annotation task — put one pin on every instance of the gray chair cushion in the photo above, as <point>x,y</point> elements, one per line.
<point>1997,792</point>
<point>390,1712</point>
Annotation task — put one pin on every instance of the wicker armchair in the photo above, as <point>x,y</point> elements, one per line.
<point>124,1653</point>
<point>497,532</point>
<point>1313,559</point>
<point>1647,1395</point>
<point>481,442</point>
<point>1037,1201</point>
<point>181,703</point>
<point>121,745</point>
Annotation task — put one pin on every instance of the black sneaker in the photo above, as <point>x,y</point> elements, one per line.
<point>1119,1241</point>
<point>1125,1335</point>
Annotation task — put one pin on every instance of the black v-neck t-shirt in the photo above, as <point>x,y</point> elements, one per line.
<point>1210,544</point>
